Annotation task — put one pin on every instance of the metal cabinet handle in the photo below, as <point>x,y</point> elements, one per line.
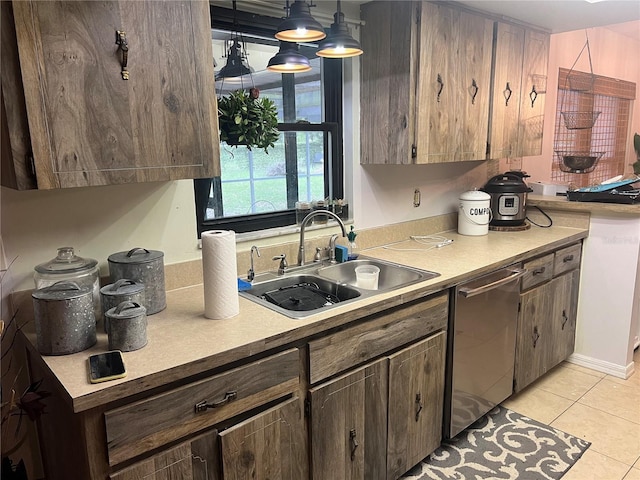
<point>567,259</point>
<point>440,87</point>
<point>473,90</point>
<point>121,41</point>
<point>536,336</point>
<point>533,95</point>
<point>354,443</point>
<point>538,271</point>
<point>419,404</point>
<point>507,94</point>
<point>565,319</point>
<point>204,405</point>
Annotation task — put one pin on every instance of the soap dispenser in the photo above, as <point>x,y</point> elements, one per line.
<point>353,248</point>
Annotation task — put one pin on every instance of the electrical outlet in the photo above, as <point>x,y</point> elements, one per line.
<point>416,197</point>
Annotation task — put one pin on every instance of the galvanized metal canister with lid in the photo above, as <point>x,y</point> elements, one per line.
<point>69,266</point>
<point>144,266</point>
<point>122,290</point>
<point>127,327</point>
<point>64,317</point>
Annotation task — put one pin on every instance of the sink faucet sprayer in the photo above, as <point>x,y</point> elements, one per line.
<point>306,221</point>
<point>251,273</point>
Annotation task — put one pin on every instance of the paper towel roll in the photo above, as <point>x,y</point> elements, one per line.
<point>220,274</point>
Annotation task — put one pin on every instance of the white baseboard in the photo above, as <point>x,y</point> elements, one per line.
<point>615,370</point>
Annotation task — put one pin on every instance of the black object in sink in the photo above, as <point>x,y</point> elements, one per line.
<point>300,297</point>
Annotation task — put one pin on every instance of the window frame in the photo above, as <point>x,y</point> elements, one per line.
<point>332,92</point>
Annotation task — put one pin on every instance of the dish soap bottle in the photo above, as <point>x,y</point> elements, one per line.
<point>353,248</point>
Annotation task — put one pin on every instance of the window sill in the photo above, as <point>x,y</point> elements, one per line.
<point>282,232</point>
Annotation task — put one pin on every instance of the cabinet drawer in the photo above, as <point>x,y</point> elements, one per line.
<point>384,332</point>
<point>538,271</point>
<point>153,422</point>
<point>567,259</point>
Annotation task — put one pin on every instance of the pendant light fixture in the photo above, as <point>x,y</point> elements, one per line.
<point>289,60</point>
<point>235,66</point>
<point>299,26</point>
<point>236,53</point>
<point>339,43</point>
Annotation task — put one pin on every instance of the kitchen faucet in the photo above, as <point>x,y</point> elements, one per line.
<point>306,221</point>
<point>251,273</point>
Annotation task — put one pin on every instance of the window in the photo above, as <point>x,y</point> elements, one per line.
<point>258,190</point>
<point>592,120</point>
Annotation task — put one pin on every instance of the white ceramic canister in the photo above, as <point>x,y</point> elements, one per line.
<point>474,214</point>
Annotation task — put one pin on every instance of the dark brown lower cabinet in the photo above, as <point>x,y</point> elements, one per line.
<point>268,446</point>
<point>546,327</point>
<point>378,421</point>
<point>196,459</point>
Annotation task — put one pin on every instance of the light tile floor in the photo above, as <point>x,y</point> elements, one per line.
<point>602,409</point>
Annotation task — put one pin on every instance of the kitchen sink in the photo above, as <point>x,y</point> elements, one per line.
<point>391,275</point>
<point>304,291</point>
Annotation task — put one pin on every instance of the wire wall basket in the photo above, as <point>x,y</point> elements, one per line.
<point>578,162</point>
<point>580,120</point>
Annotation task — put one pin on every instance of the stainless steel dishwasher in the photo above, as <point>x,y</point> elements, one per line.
<point>481,353</point>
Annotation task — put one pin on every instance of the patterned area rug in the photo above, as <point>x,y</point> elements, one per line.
<point>502,445</point>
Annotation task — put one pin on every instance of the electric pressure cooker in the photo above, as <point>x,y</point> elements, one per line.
<point>508,192</point>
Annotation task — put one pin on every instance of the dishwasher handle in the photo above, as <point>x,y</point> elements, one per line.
<point>514,274</point>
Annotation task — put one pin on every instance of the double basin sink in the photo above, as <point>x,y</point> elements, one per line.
<point>304,291</point>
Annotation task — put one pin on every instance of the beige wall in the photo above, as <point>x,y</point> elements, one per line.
<point>614,54</point>
<point>99,221</point>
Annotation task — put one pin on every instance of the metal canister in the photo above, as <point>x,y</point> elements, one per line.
<point>65,318</point>
<point>144,266</point>
<point>127,327</point>
<point>122,290</point>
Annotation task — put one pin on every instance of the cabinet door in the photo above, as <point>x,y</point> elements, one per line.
<point>416,396</point>
<point>268,446</point>
<point>438,84</point>
<point>534,85</point>
<point>563,317</point>
<point>507,74</point>
<point>348,425</point>
<point>196,459</point>
<point>88,125</point>
<point>534,335</point>
<point>473,91</point>
<point>387,91</point>
<point>453,85</point>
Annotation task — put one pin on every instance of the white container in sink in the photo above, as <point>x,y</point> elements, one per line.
<point>367,277</point>
<point>474,213</point>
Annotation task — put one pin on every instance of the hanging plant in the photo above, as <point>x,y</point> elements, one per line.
<point>245,119</point>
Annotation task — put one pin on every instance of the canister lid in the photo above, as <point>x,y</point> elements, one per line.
<point>135,256</point>
<point>62,290</point>
<point>475,195</point>
<point>66,262</point>
<point>124,286</point>
<point>126,310</point>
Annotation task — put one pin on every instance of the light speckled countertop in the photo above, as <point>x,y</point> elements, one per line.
<point>183,343</point>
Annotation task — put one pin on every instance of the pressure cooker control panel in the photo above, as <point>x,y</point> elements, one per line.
<point>508,205</point>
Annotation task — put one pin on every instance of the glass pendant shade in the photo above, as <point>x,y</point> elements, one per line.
<point>339,43</point>
<point>300,26</point>
<point>289,60</point>
<point>234,66</point>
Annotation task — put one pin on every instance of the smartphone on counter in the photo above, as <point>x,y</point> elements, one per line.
<point>106,366</point>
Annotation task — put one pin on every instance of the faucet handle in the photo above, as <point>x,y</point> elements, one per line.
<point>283,263</point>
